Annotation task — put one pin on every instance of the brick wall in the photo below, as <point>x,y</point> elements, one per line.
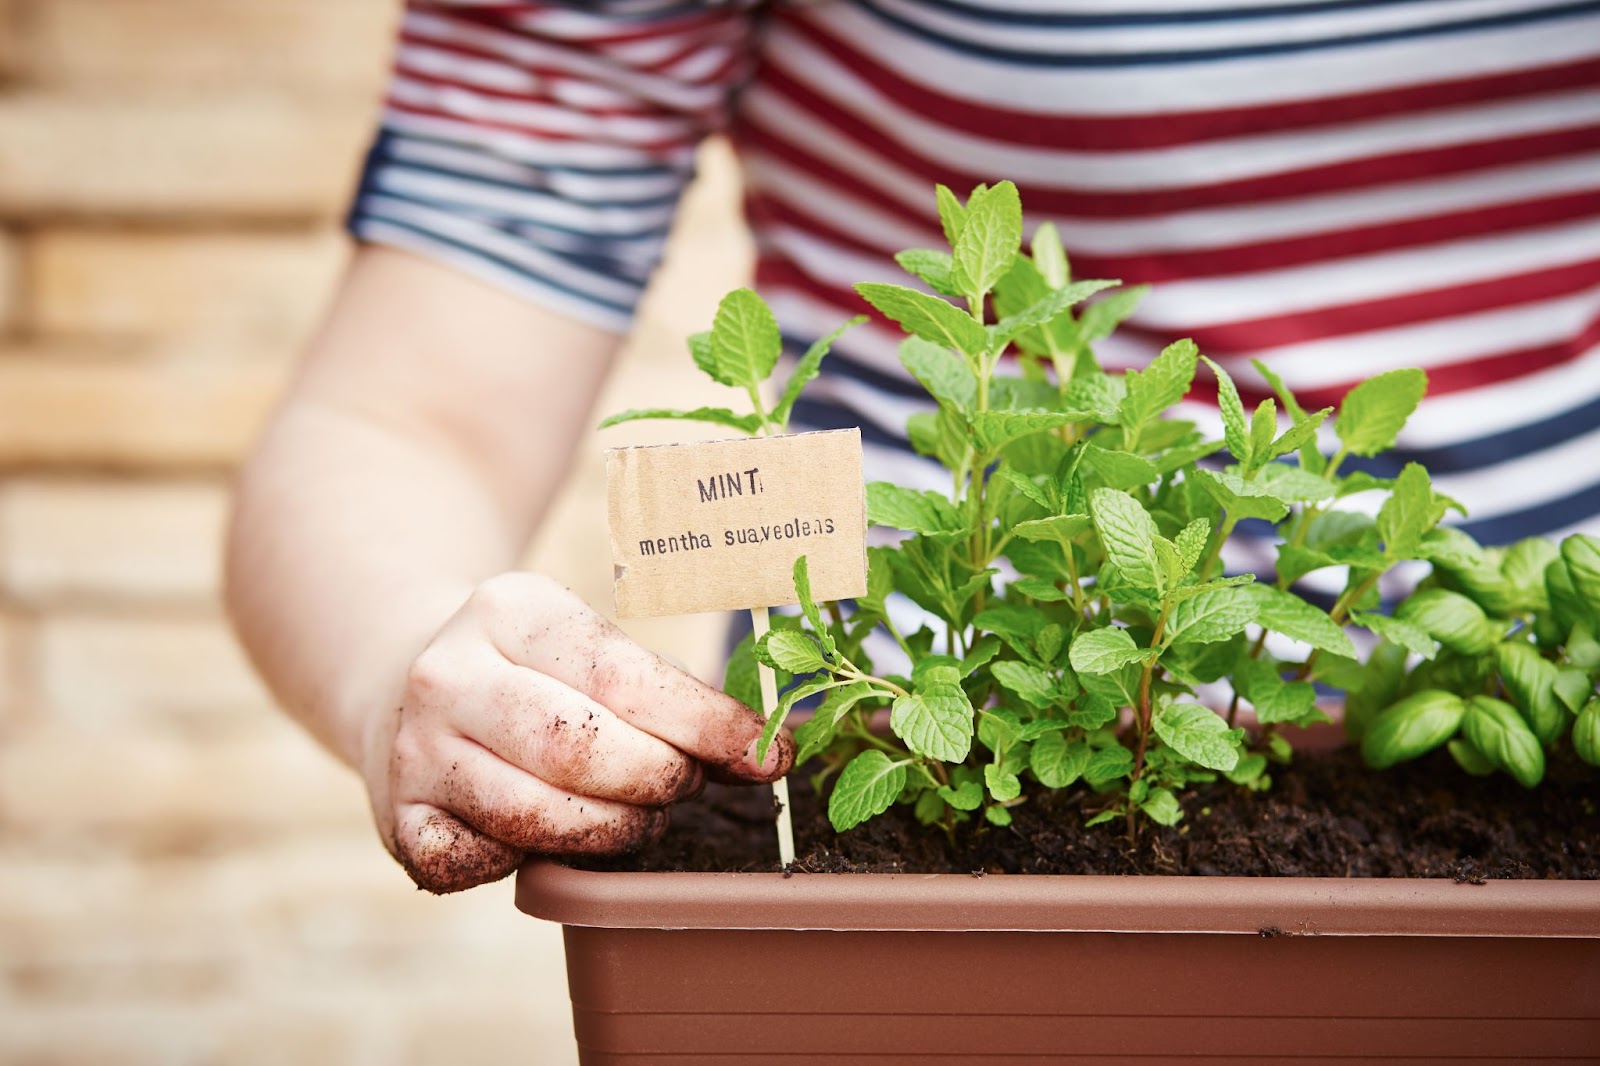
<point>184,877</point>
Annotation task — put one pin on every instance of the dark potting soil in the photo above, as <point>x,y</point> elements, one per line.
<point>1326,815</point>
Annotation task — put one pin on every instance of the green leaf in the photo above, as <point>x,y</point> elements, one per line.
<point>1573,688</point>
<point>1199,735</point>
<point>790,650</point>
<point>944,374</point>
<point>720,416</point>
<point>1530,681</point>
<point>1407,514</point>
<point>1056,761</point>
<point>1523,565</point>
<point>1284,612</point>
<point>1469,758</point>
<point>786,703</point>
<point>1029,682</point>
<point>1028,487</point>
<point>942,435</point>
<point>1414,726</point>
<point>1060,529</point>
<point>1120,470</point>
<point>1234,429</point>
<point>932,267</point>
<point>929,317</point>
<point>700,350</point>
<point>1303,433</point>
<point>997,816</point>
<point>952,215</point>
<point>808,606</point>
<point>967,796</point>
<point>1129,535</point>
<point>1263,427</point>
<point>1049,256</point>
<point>913,511</point>
<point>1241,498</point>
<point>986,648</point>
<point>1277,700</point>
<point>1581,554</point>
<point>745,342</point>
<point>867,787</point>
<point>1496,729</point>
<point>1310,458</point>
<point>1108,764</point>
<point>1099,396</point>
<point>993,430</point>
<point>936,723</point>
<point>1044,311</point>
<point>1586,733</point>
<point>1100,319</point>
<point>1211,616</point>
<point>806,370</point>
<point>742,680</point>
<point>1160,385</point>
<point>1373,413</point>
<point>1291,484</point>
<point>1162,807</point>
<point>1100,651</point>
<point>989,239</point>
<point>1002,785</point>
<point>1396,631</point>
<point>1450,618</point>
<point>1191,542</point>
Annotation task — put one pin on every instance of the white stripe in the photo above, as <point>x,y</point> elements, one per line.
<point>521,285</point>
<point>818,198</point>
<point>493,241</point>
<point>539,118</point>
<point>534,150</point>
<point>602,220</point>
<point>1193,36</point>
<point>1526,480</point>
<point>1502,405</point>
<point>1249,81</point>
<point>1182,166</point>
<point>581,187</point>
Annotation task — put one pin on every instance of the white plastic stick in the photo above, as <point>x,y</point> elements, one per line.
<point>769,705</point>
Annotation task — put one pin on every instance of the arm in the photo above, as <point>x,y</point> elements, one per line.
<point>490,714</point>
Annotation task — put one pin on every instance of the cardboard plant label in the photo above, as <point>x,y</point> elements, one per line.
<point>717,526</point>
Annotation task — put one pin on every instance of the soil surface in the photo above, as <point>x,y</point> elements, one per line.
<point>1327,815</point>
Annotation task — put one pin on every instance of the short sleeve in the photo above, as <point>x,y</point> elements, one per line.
<point>544,146</point>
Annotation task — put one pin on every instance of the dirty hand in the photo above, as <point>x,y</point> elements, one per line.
<point>532,725</point>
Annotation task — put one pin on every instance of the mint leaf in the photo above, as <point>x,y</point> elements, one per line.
<point>1211,616</point>
<point>993,430</point>
<point>1241,498</point>
<point>1162,807</point>
<point>1097,395</point>
<point>1191,542</point>
<point>1198,735</point>
<point>1284,612</point>
<point>929,317</point>
<point>1263,427</point>
<point>808,606</point>
<point>790,650</point>
<point>1100,319</point>
<point>1310,458</point>
<point>1160,385</point>
<point>936,723</point>
<point>1302,434</point>
<point>1049,256</point>
<point>806,370</point>
<point>1046,310</point>
<point>1003,786</point>
<point>1100,651</point>
<point>1291,484</point>
<point>1028,682</point>
<point>1056,761</point>
<point>742,679</point>
<point>1275,699</point>
<point>952,215</point>
<point>1118,469</point>
<point>989,239</point>
<point>720,416</point>
<point>1029,488</point>
<point>866,788</point>
<point>745,342</point>
<point>915,512</point>
<point>1129,534</point>
<point>1108,764</point>
<point>1234,428</point>
<point>931,267</point>
<point>945,375</point>
<point>967,796</point>
<point>1395,631</point>
<point>1373,413</point>
<point>1407,514</point>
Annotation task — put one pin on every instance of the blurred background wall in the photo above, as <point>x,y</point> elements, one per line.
<point>184,877</point>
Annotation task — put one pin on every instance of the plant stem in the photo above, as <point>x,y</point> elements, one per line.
<point>1142,713</point>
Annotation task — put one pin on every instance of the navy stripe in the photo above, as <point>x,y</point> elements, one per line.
<point>817,415</point>
<point>532,185</point>
<point>1539,520</point>
<point>359,216</point>
<point>1487,451</point>
<point>1145,59</point>
<point>380,150</point>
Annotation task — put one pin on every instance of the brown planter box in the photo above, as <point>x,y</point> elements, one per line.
<point>759,968</point>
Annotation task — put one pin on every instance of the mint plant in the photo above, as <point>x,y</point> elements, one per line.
<point>1082,632</point>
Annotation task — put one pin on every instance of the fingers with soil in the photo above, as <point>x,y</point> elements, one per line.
<point>443,854</point>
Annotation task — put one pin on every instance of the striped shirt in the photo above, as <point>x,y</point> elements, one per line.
<point>1336,187</point>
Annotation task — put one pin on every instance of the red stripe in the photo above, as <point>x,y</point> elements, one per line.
<point>543,95</point>
<point>869,141</point>
<point>1139,132</point>
<point>1253,335</point>
<point>774,274</point>
<point>525,18</point>
<point>660,147</point>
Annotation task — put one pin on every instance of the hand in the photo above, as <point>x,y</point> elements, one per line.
<point>532,725</point>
